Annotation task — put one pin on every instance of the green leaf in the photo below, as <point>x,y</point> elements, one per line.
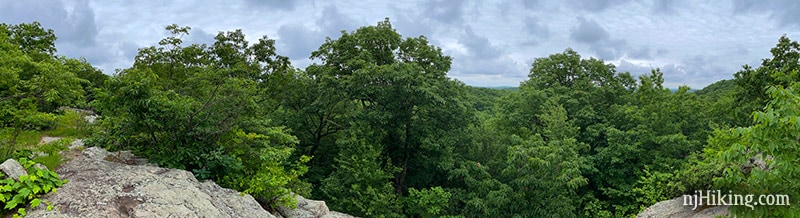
<point>35,202</point>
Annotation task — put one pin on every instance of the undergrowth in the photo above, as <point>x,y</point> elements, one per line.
<point>17,195</point>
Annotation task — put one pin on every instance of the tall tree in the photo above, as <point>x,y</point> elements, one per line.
<point>34,82</point>
<point>590,88</point>
<point>360,184</point>
<point>546,170</point>
<point>400,88</point>
<point>781,69</point>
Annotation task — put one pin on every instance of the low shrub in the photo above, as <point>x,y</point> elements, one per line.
<point>17,195</point>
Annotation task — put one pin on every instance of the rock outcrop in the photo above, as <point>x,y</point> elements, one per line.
<point>117,184</point>
<point>101,188</point>
<point>11,168</point>
<point>309,209</point>
<point>676,209</point>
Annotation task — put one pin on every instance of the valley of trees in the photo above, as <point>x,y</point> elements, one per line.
<point>376,128</point>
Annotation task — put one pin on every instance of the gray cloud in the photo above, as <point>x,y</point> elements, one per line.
<point>128,49</point>
<point>695,71</point>
<point>488,40</point>
<point>500,71</point>
<point>784,12</point>
<point>664,6</point>
<point>705,64</point>
<point>198,36</point>
<point>742,51</point>
<point>94,54</point>
<point>73,23</point>
<point>484,63</point>
<point>695,77</point>
<point>531,4</point>
<point>598,5</point>
<point>121,56</point>
<point>84,29</point>
<point>498,68</point>
<point>589,32</point>
<point>273,4</point>
<point>333,22</point>
<point>411,26</point>
<point>640,53</point>
<point>593,34</point>
<point>538,30</point>
<point>634,69</point>
<point>662,52</point>
<point>297,42</point>
<point>445,11</point>
<point>478,46</point>
<point>75,26</point>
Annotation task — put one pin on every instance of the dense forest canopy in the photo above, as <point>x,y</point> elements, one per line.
<point>377,129</point>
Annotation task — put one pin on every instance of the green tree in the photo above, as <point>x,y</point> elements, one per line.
<point>427,202</point>
<point>772,141</point>
<point>485,99</point>
<point>399,87</point>
<point>721,97</point>
<point>474,182</point>
<point>316,113</point>
<point>30,38</point>
<point>648,137</point>
<point>94,78</point>
<point>31,72</point>
<point>751,83</point>
<point>207,109</point>
<point>546,170</point>
<point>591,89</point>
<point>628,125</point>
<point>477,192</point>
<point>360,184</point>
<point>34,82</point>
<point>757,99</point>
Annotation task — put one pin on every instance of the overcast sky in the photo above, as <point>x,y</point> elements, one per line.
<point>493,43</point>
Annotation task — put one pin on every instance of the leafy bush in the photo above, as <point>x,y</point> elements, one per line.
<point>260,175</point>
<point>16,195</point>
<point>428,202</point>
<point>655,186</point>
<point>360,185</point>
<point>40,121</point>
